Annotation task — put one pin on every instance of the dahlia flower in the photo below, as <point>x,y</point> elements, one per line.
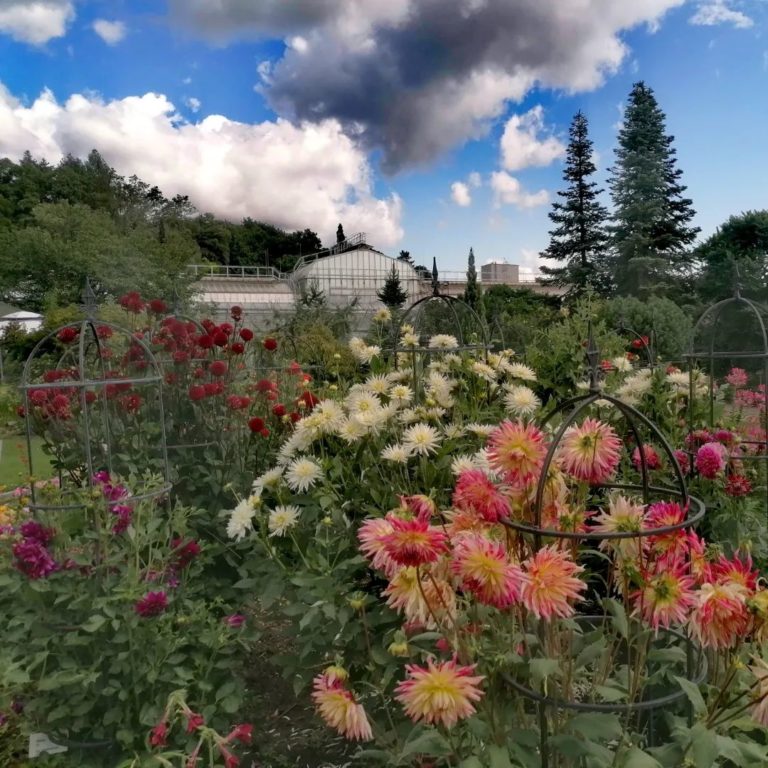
<point>371,535</point>
<point>520,371</point>
<point>737,377</point>
<point>521,401</point>
<point>282,518</point>
<point>549,582</point>
<point>421,439</point>
<point>395,453</point>
<point>517,452</point>
<point>442,692</point>
<point>485,570</point>
<point>427,604</point>
<point>152,604</point>
<point>710,460</point>
<point>414,542</point>
<point>665,598</point>
<point>720,617</point>
<point>672,545</point>
<point>736,570</point>
<point>240,518</point>
<point>302,474</point>
<point>652,458</point>
<point>443,341</point>
<point>738,485</point>
<point>590,451</point>
<point>474,492</point>
<point>683,461</point>
<point>339,708</point>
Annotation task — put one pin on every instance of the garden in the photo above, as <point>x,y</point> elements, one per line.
<point>411,547</point>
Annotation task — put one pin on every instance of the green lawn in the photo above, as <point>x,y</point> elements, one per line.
<point>14,468</point>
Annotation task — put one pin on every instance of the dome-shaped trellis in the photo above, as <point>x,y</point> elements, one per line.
<point>100,409</point>
<point>647,701</point>
<point>643,345</point>
<point>731,334</point>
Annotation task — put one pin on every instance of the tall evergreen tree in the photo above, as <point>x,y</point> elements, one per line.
<point>406,257</point>
<point>651,219</point>
<point>579,240</point>
<point>340,236</point>
<point>472,291</point>
<point>392,294</point>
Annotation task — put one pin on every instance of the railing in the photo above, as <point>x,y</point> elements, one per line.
<point>230,270</point>
<point>457,276</point>
<point>345,245</point>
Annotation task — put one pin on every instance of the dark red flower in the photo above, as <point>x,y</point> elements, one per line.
<point>132,302</point>
<point>265,385</point>
<point>226,328</point>
<point>237,348</point>
<point>738,485</point>
<point>38,397</point>
<point>246,334</point>
<point>640,343</point>
<point>235,402</point>
<point>158,306</point>
<point>90,396</point>
<point>236,312</point>
<point>256,424</point>
<point>131,403</point>
<point>234,620</point>
<point>194,721</point>
<point>309,400</point>
<point>185,552</point>
<point>180,356</point>
<point>242,733</point>
<point>158,736</point>
<point>278,410</point>
<point>33,559</point>
<point>295,416</point>
<point>217,368</point>
<point>208,324</point>
<point>205,342</point>
<point>197,392</point>
<point>270,344</point>
<point>199,373</point>
<point>220,339</point>
<point>294,368</point>
<point>67,335</point>
<point>265,432</point>
<point>152,604</point>
<point>103,331</point>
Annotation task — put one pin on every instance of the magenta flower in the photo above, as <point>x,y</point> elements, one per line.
<point>737,378</point>
<point>234,620</point>
<point>152,604</point>
<point>710,460</point>
<point>33,559</point>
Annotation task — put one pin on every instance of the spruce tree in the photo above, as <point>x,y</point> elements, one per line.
<point>392,294</point>
<point>651,219</point>
<point>579,240</point>
<point>406,257</point>
<point>472,291</point>
<point>340,236</point>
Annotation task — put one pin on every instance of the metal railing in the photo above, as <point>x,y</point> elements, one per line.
<point>232,271</point>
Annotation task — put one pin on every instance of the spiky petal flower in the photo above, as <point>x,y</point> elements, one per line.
<point>337,705</point>
<point>521,401</point>
<point>549,582</point>
<point>737,570</point>
<point>421,439</point>
<point>282,518</point>
<point>670,546</point>
<point>665,598</point>
<point>590,451</point>
<point>652,458</point>
<point>442,692</point>
<point>371,535</point>
<point>720,617</point>
<point>414,542</point>
<point>426,601</point>
<point>475,493</point>
<point>624,515</point>
<point>485,570</point>
<point>516,451</point>
<point>302,474</point>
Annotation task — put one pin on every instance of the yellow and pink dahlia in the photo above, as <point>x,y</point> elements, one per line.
<point>485,570</point>
<point>590,451</point>
<point>720,618</point>
<point>429,603</point>
<point>414,542</point>
<point>516,451</point>
<point>371,535</point>
<point>339,708</point>
<point>476,493</point>
<point>549,582</point>
<point>665,598</point>
<point>442,692</point>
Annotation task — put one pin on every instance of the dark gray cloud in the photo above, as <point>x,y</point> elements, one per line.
<point>417,77</point>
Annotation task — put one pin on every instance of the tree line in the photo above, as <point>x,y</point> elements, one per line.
<point>646,245</point>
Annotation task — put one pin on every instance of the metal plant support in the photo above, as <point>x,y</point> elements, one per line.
<point>732,332</point>
<point>455,307</point>
<point>83,381</point>
<point>646,344</point>
<point>549,703</point>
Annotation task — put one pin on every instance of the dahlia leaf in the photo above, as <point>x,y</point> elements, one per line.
<point>694,695</point>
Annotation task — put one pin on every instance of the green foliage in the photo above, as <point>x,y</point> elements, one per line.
<point>579,240</point>
<point>515,315</point>
<point>741,241</point>
<point>472,293</point>
<point>392,293</point>
<point>651,230</point>
<point>670,324</point>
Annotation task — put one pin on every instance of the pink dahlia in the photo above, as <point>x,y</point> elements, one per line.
<point>738,485</point>
<point>372,535</point>
<point>710,460</point>
<point>516,451</point>
<point>720,618</point>
<point>737,378</point>
<point>665,598</point>
<point>590,451</point>
<point>485,570</point>
<point>549,582</point>
<point>339,708</point>
<point>652,458</point>
<point>152,604</point>
<point>476,493</point>
<point>414,542</point>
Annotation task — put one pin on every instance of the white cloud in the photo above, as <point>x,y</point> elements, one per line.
<point>308,175</point>
<point>522,146</point>
<point>507,190</point>
<point>474,179</point>
<point>193,103</point>
<point>35,22</point>
<point>187,80</point>
<point>714,12</point>
<point>460,194</point>
<point>111,32</point>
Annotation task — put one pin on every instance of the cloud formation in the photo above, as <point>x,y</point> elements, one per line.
<point>35,21</point>
<point>111,32</point>
<point>460,194</point>
<point>507,190</point>
<point>712,13</point>
<point>522,144</point>
<point>293,176</point>
<point>417,77</point>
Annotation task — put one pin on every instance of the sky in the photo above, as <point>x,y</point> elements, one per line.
<point>432,125</point>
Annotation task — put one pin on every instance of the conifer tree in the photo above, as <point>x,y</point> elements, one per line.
<point>472,291</point>
<point>392,294</point>
<point>651,219</point>
<point>340,236</point>
<point>579,240</point>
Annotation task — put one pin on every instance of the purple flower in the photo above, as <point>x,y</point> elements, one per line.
<point>114,492</point>
<point>101,477</point>
<point>152,604</point>
<point>31,529</point>
<point>33,559</point>
<point>234,620</point>
<point>124,514</point>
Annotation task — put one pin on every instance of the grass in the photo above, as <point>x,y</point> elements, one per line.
<point>14,466</point>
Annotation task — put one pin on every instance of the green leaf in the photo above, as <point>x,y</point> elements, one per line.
<point>499,757</point>
<point>694,695</point>
<point>471,762</point>
<point>703,746</point>
<point>596,726</point>
<point>541,669</point>
<point>94,623</point>
<point>636,758</point>
<point>619,616</point>
<point>427,743</point>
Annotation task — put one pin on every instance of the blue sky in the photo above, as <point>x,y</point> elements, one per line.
<point>272,112</point>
